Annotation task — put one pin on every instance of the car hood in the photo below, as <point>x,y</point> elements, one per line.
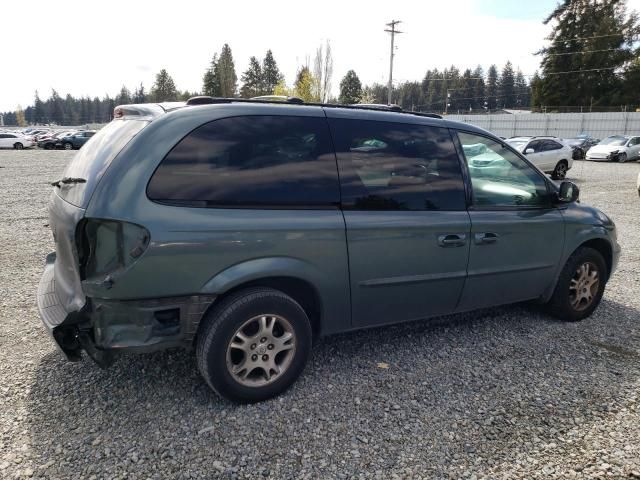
<point>605,148</point>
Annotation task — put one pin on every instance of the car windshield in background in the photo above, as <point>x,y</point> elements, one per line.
<point>517,144</point>
<point>92,161</point>
<point>615,141</point>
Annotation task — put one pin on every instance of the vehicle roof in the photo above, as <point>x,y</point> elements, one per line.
<point>232,107</point>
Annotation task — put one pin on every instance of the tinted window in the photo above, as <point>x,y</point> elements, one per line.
<point>395,166</point>
<point>95,157</point>
<point>500,177</point>
<point>551,145</point>
<point>253,160</point>
<point>536,145</point>
<point>2,135</point>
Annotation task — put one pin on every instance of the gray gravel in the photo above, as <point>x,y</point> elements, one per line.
<point>501,393</point>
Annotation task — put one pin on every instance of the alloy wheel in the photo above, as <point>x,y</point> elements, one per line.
<point>68,146</point>
<point>261,350</point>
<point>583,287</point>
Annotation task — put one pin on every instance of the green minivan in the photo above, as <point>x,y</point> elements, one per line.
<point>244,229</point>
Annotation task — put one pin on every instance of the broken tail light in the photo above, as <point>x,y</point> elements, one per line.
<point>108,246</point>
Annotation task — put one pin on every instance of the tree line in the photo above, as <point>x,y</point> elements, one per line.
<point>592,59</point>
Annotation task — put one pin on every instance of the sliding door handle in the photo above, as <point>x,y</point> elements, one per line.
<point>452,240</point>
<point>485,238</point>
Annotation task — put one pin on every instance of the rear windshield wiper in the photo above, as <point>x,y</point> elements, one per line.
<point>68,181</point>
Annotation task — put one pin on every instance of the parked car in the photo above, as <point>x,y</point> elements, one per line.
<point>75,140</point>
<point>245,229</point>
<point>549,154</point>
<point>14,140</point>
<point>616,148</point>
<point>638,184</point>
<point>580,144</point>
<point>52,140</point>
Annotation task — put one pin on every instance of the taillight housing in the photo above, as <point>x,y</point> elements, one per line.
<point>108,246</point>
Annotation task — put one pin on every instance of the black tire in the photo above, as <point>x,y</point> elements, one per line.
<point>48,146</point>
<point>622,158</point>
<point>560,172</point>
<point>67,146</point>
<point>18,146</point>
<point>219,328</point>
<point>560,305</point>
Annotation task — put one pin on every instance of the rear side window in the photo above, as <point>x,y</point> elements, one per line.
<point>267,161</point>
<point>93,159</point>
<point>396,166</point>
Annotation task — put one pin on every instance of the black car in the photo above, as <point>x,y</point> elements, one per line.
<point>580,144</point>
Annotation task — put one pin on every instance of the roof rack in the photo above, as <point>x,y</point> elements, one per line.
<point>206,100</point>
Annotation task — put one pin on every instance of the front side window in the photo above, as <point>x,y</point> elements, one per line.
<point>265,161</point>
<point>396,166</point>
<point>500,178</point>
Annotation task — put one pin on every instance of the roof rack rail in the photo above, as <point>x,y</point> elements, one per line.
<point>207,100</point>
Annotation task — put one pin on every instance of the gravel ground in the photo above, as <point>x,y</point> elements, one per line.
<point>501,393</point>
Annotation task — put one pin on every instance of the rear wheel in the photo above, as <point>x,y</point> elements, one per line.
<point>253,345</point>
<point>580,286</point>
<point>68,146</point>
<point>622,157</point>
<point>560,172</point>
<point>18,146</point>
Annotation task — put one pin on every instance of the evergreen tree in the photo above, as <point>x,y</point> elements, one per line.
<point>594,37</point>
<point>252,80</point>
<point>478,88</point>
<point>492,88</point>
<point>536,87</point>
<point>39,114</point>
<point>271,75</point>
<point>506,87</point>
<point>523,93</point>
<point>56,109</point>
<point>210,80</point>
<point>139,95</point>
<point>350,89</point>
<point>124,97</point>
<point>466,88</point>
<point>226,73</point>
<point>164,88</point>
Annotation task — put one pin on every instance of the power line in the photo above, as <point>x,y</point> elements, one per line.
<point>582,52</point>
<point>587,38</point>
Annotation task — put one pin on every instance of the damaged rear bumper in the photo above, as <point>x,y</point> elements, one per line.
<point>105,327</point>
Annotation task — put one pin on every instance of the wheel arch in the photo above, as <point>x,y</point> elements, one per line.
<point>604,248</point>
<point>296,278</point>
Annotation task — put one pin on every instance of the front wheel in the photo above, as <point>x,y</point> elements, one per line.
<point>622,157</point>
<point>18,146</point>
<point>68,146</point>
<point>48,146</point>
<point>580,286</point>
<point>253,345</point>
<point>560,172</point>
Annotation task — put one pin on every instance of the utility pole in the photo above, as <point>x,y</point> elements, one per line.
<point>393,32</point>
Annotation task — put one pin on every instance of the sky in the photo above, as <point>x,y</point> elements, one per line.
<point>93,48</point>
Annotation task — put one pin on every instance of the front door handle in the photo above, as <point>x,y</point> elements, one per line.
<point>485,238</point>
<point>452,240</point>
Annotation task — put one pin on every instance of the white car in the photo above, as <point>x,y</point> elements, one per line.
<point>615,147</point>
<point>549,154</point>
<point>14,140</point>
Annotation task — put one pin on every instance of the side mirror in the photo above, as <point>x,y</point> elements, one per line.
<point>529,150</point>
<point>568,193</point>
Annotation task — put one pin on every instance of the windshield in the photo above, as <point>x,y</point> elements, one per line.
<point>615,141</point>
<point>94,158</point>
<point>517,144</point>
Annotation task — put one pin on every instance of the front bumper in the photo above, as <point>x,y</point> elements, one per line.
<point>104,327</point>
